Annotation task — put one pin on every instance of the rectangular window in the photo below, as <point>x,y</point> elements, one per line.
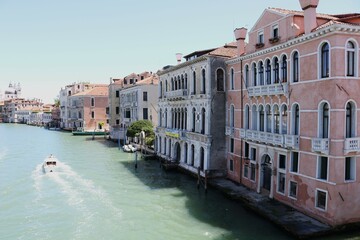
<point>231,145</point>
<point>282,161</point>
<point>281,182</point>
<point>253,154</point>
<point>261,37</point>
<point>231,165</point>
<point>107,110</point>
<point>321,199</point>
<point>293,189</point>
<point>145,96</point>
<point>246,171</point>
<point>145,114</point>
<point>246,150</point>
<point>294,162</point>
<point>127,113</point>
<point>275,31</point>
<point>92,114</point>
<point>117,121</point>
<point>92,102</point>
<point>117,110</point>
<point>322,168</point>
<point>252,171</point>
<point>117,93</point>
<point>350,169</point>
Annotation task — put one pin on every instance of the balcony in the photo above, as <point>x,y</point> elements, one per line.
<point>242,133</point>
<point>229,131</point>
<point>320,145</point>
<point>351,145</point>
<point>292,141</point>
<point>177,94</point>
<point>274,89</point>
<point>264,137</point>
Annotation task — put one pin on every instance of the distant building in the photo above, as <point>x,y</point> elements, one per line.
<point>13,91</point>
<point>116,85</point>
<point>65,105</point>
<point>87,109</point>
<point>292,116</point>
<point>192,111</point>
<point>18,110</point>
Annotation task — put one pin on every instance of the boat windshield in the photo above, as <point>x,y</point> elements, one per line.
<point>51,163</point>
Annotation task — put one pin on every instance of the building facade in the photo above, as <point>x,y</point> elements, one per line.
<point>116,124</point>
<point>292,126</point>
<point>192,111</point>
<point>87,109</point>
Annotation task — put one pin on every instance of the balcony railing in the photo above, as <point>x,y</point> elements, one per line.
<point>320,145</point>
<point>288,141</point>
<point>274,89</point>
<point>229,131</point>
<point>292,141</point>
<point>265,137</point>
<point>351,145</point>
<point>177,94</point>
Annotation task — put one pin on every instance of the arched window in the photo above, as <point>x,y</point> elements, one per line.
<point>253,118</point>
<point>186,83</point>
<point>192,155</point>
<point>268,72</point>
<point>296,119</point>
<point>350,120</point>
<point>220,80</point>
<point>93,102</point>
<point>160,117</point>
<point>254,71</point>
<point>166,117</point>
<point>203,120</point>
<point>172,84</point>
<point>284,119</point>
<point>261,73</point>
<point>350,59</point>
<point>268,118</point>
<point>179,83</point>
<point>261,119</point>
<point>284,69</point>
<point>185,153</point>
<point>232,113</point>
<point>182,82</point>
<point>203,74</point>
<point>276,70</point>
<point>246,76</point>
<point>166,86</point>
<point>232,79</point>
<point>295,67</point>
<point>202,159</point>
<point>325,61</point>
<point>193,119</point>
<point>194,83</point>
<point>160,90</point>
<point>247,117</point>
<point>185,119</point>
<point>276,119</point>
<point>324,121</point>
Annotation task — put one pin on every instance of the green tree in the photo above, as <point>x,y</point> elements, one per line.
<point>142,125</point>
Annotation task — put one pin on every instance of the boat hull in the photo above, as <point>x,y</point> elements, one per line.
<point>80,133</point>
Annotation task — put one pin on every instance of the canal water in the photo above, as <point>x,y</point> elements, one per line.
<point>98,194</point>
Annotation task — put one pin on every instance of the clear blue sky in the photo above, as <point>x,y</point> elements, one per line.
<point>47,44</point>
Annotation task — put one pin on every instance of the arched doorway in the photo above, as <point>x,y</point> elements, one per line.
<point>266,173</point>
<point>177,152</point>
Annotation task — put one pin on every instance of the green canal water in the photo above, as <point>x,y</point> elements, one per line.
<point>98,194</point>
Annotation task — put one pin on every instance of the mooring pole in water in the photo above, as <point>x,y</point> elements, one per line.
<point>136,156</point>
<point>206,178</point>
<point>93,137</point>
<point>119,142</point>
<point>199,178</point>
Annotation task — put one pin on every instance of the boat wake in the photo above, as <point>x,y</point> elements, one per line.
<point>76,192</point>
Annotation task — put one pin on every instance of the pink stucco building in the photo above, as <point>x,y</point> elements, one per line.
<point>293,131</point>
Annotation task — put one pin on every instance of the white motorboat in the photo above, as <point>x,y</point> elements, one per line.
<point>50,164</point>
<point>129,148</point>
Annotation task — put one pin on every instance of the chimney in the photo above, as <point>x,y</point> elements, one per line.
<point>309,7</point>
<point>240,35</point>
<point>178,57</point>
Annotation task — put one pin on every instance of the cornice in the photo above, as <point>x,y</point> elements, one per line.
<point>335,28</point>
<point>181,65</point>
